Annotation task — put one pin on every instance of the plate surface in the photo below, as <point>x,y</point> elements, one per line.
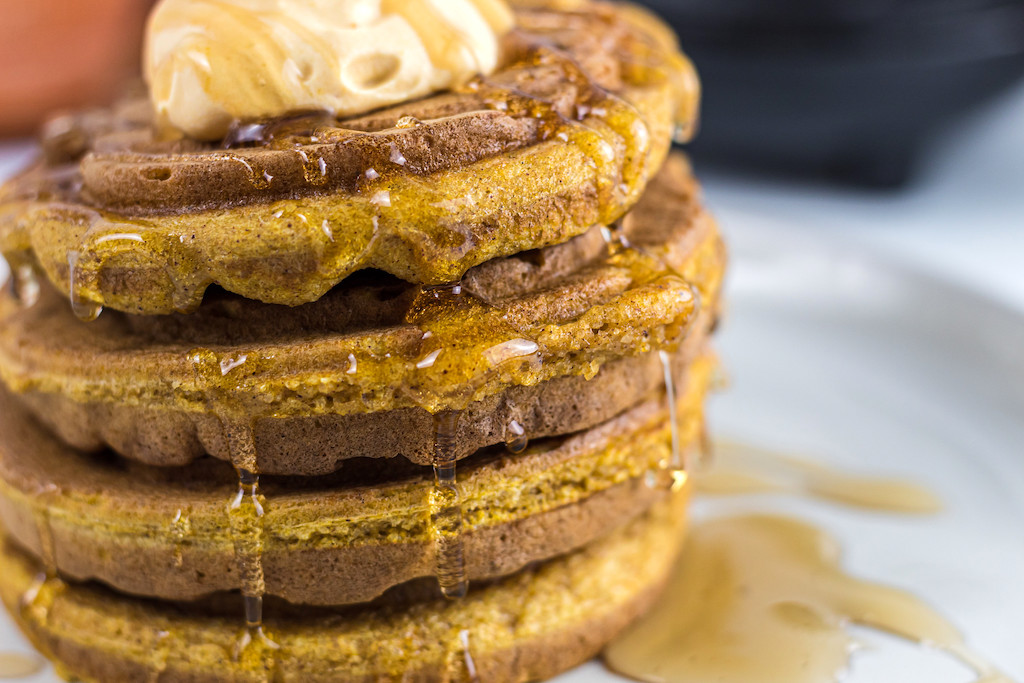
<point>869,366</point>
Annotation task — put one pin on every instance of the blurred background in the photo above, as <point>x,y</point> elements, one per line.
<point>899,122</point>
<point>56,54</point>
<point>851,90</point>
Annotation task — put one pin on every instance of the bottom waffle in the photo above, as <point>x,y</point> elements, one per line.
<point>530,626</point>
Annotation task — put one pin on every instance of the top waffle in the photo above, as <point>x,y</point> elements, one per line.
<point>562,137</point>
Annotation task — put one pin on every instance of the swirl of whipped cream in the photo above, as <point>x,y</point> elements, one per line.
<point>211,62</point>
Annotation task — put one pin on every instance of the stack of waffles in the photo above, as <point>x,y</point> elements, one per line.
<point>403,396</point>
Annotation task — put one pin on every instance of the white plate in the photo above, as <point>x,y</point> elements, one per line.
<point>873,367</point>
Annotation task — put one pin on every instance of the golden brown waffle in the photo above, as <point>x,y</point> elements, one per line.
<point>312,298</point>
<point>529,627</point>
<point>335,540</point>
<point>358,373</point>
<point>563,137</point>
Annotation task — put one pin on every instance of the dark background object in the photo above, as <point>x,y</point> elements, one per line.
<point>849,90</point>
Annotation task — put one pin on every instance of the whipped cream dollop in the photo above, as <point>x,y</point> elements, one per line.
<point>211,62</point>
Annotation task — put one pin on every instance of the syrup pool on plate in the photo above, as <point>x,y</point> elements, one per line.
<point>764,598</point>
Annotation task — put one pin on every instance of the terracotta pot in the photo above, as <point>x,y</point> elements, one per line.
<point>56,54</point>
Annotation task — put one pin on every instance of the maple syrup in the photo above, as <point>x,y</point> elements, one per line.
<point>446,510</point>
<point>763,598</point>
<point>18,665</point>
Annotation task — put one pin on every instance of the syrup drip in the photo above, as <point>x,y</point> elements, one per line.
<point>84,309</point>
<point>17,665</point>
<point>763,598</point>
<point>245,511</point>
<point>181,529</point>
<point>674,464</point>
<point>37,599</point>
<point>245,514</point>
<point>515,437</point>
<point>446,510</point>
<point>445,504</point>
<point>740,468</point>
<point>679,468</point>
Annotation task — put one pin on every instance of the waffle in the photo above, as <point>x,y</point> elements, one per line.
<point>563,137</point>
<point>348,376</point>
<point>163,533</point>
<point>576,604</point>
<point>409,395</point>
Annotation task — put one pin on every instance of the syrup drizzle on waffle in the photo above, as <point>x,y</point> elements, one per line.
<point>622,174</point>
<point>313,153</point>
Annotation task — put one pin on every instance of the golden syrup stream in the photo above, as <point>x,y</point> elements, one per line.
<point>18,665</point>
<point>436,343</point>
<point>739,468</point>
<point>36,600</point>
<point>446,510</point>
<point>678,466</point>
<point>245,515</point>
<point>673,416</point>
<point>84,308</point>
<point>181,530</point>
<point>763,598</point>
<point>245,510</point>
